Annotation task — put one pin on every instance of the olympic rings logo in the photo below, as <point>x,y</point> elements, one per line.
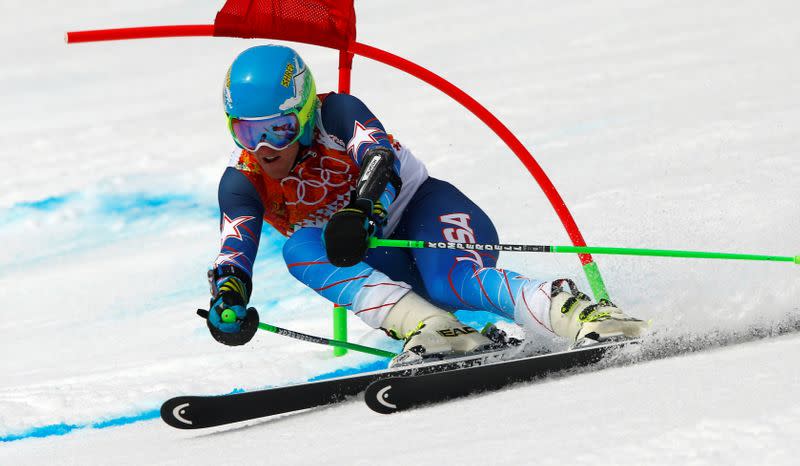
<point>311,184</point>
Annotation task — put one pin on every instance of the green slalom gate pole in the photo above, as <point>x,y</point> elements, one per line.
<point>339,329</point>
<point>596,281</point>
<point>325,341</point>
<point>395,243</point>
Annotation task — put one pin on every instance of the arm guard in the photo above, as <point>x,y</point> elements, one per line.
<point>379,184</point>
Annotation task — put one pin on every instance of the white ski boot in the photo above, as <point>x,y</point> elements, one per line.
<point>574,317</point>
<point>430,332</point>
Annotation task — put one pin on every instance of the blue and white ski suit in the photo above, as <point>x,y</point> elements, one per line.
<point>425,209</point>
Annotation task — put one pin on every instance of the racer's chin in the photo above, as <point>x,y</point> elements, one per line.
<point>277,164</point>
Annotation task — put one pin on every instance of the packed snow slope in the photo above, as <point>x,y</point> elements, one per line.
<point>663,124</point>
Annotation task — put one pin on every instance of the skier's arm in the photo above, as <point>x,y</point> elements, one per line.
<point>230,279</point>
<point>347,233</point>
<point>366,141</point>
<point>240,220</point>
<point>378,184</point>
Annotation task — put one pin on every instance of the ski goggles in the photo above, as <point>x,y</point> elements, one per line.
<point>276,132</point>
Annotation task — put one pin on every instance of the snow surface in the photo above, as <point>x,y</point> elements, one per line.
<point>663,124</point>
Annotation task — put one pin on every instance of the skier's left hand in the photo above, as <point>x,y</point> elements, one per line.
<point>229,320</point>
<point>346,235</point>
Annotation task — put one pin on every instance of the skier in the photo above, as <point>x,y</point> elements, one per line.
<point>323,171</point>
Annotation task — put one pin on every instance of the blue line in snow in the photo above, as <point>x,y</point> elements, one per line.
<point>369,367</point>
<point>46,204</point>
<point>44,431</point>
<point>54,430</point>
<point>133,205</point>
<point>125,420</point>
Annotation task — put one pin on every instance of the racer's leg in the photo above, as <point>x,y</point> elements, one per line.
<point>459,279</point>
<point>464,279</point>
<point>368,292</point>
<point>377,299</point>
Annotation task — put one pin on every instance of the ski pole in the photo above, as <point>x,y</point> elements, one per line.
<point>398,243</point>
<point>315,339</point>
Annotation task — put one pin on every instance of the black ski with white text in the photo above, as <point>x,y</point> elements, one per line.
<point>397,393</point>
<point>197,412</point>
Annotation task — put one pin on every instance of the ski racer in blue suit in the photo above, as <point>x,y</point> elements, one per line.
<point>323,171</point>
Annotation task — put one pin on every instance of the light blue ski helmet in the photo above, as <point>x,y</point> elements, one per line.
<point>271,80</point>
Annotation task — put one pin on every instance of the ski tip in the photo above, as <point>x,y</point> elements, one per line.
<point>378,396</point>
<point>177,412</point>
<point>797,259</point>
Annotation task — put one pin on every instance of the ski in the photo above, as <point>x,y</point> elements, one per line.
<point>197,412</point>
<point>442,380</point>
<point>400,392</point>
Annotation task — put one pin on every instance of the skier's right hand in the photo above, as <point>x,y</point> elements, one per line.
<point>346,235</point>
<point>229,320</point>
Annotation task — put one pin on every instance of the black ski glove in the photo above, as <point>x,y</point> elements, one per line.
<point>346,235</point>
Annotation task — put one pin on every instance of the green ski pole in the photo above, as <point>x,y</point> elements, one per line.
<point>325,341</point>
<point>315,339</point>
<point>394,243</point>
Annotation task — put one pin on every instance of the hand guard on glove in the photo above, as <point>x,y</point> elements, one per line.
<point>346,235</point>
<point>229,320</point>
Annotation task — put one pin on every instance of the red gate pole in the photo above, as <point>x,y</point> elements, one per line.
<point>345,67</point>
<point>590,268</point>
